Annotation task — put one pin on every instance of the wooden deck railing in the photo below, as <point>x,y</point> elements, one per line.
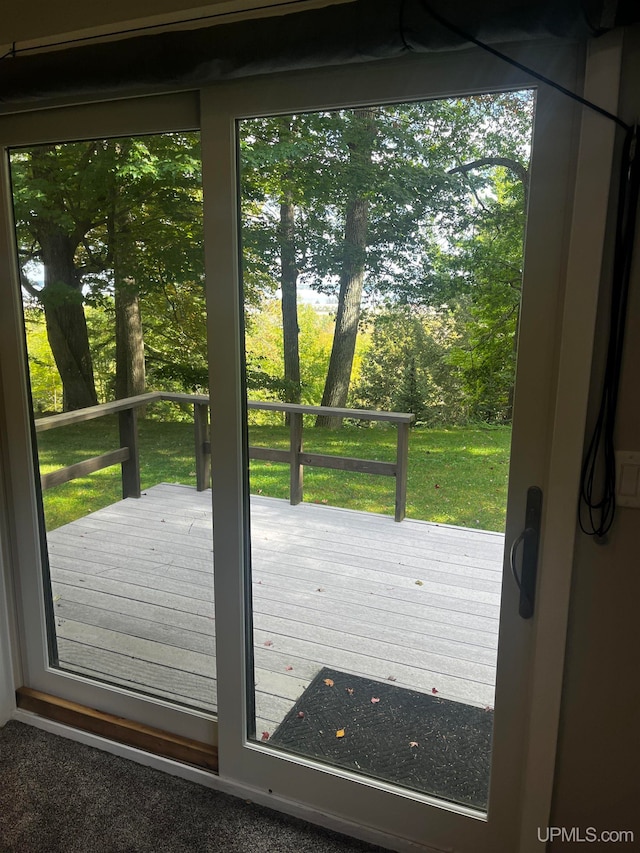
<point>128,454</point>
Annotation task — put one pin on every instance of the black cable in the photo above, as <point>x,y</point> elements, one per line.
<point>598,476</point>
<point>463,34</point>
<point>598,481</point>
<point>401,10</point>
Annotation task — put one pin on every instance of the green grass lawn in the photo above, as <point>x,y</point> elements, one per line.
<point>456,475</point>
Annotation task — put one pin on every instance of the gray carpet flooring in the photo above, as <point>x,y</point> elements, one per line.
<point>58,796</point>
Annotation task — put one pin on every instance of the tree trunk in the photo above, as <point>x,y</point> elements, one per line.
<point>130,369</point>
<point>336,387</point>
<point>288,272</point>
<point>289,287</point>
<point>66,323</point>
<point>130,365</point>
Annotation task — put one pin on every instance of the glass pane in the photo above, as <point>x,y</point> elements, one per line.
<point>382,264</point>
<point>109,238</point>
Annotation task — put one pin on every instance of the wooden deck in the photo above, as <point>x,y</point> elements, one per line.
<point>414,602</point>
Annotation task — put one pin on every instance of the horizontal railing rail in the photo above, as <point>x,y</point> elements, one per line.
<point>128,455</point>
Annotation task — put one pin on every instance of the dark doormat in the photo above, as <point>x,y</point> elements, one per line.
<point>413,739</point>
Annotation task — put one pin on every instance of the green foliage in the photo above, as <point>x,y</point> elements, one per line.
<point>443,233</point>
<point>483,273</point>
<point>264,346</point>
<point>46,388</point>
<point>477,269</point>
<point>175,335</point>
<point>406,366</point>
<point>444,253</point>
<point>127,214</point>
<point>100,324</point>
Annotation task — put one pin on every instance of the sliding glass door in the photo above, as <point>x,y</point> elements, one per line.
<point>320,308</point>
<point>378,240</point>
<point>111,307</point>
<point>375,636</point>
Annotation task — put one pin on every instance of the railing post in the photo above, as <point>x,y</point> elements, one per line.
<point>203,445</point>
<point>128,423</point>
<point>295,449</point>
<point>402,464</point>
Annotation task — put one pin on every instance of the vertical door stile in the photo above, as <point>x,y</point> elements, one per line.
<point>588,240</point>
<point>227,406</point>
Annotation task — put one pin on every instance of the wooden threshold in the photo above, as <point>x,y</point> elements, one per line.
<point>118,729</point>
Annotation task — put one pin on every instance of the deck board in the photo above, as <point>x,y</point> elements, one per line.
<point>416,602</point>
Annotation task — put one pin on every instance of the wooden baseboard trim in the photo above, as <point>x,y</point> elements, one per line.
<point>118,729</point>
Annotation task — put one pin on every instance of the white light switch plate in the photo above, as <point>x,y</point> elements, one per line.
<point>628,478</point>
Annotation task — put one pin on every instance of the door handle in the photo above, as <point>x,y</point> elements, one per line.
<point>529,539</point>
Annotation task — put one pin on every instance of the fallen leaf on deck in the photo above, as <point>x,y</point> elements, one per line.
<point>56,598</point>
<point>434,690</point>
<point>374,700</point>
<point>265,735</point>
<point>391,678</point>
<point>419,583</point>
<point>340,733</point>
<point>268,643</point>
<point>329,682</point>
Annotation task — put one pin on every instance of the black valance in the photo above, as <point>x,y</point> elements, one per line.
<point>361,31</point>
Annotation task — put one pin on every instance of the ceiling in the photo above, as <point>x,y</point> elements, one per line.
<point>30,23</point>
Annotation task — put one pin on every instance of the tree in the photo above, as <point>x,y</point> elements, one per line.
<point>389,202</point>
<point>359,137</point>
<point>276,176</point>
<point>480,270</point>
<point>406,365</point>
<point>129,337</point>
<point>57,195</point>
<point>155,255</point>
<point>109,223</point>
<point>46,389</point>
<point>288,270</point>
<point>265,350</point>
